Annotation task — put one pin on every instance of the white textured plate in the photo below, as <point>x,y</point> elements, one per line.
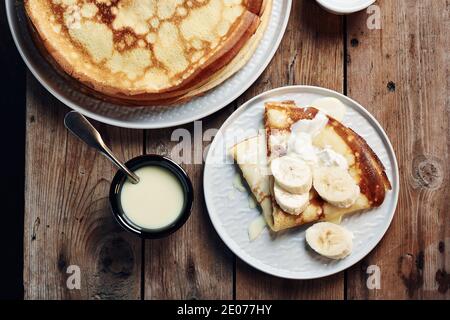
<point>148,117</point>
<point>286,254</point>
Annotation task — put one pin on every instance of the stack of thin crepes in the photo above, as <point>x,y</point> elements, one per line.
<point>149,52</point>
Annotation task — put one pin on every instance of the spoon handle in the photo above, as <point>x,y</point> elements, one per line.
<point>83,129</point>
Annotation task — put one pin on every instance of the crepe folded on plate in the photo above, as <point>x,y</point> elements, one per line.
<point>148,52</point>
<point>365,168</point>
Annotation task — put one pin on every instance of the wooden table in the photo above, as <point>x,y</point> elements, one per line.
<point>399,72</point>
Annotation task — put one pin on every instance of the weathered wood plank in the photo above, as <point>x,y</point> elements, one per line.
<point>67,216</point>
<point>400,73</point>
<point>310,53</point>
<point>193,263</point>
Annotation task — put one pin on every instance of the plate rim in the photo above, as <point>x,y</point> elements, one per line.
<point>10,10</point>
<point>292,275</point>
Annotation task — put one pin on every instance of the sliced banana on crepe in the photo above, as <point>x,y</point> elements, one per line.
<point>336,186</point>
<point>330,240</point>
<point>331,106</point>
<point>290,202</point>
<point>291,174</point>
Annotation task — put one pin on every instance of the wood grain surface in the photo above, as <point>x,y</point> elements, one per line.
<point>67,216</point>
<point>400,73</point>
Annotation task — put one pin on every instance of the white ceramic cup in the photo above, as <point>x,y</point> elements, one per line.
<point>345,6</point>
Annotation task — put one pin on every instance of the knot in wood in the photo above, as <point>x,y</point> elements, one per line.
<point>411,273</point>
<point>427,172</point>
<point>117,258</point>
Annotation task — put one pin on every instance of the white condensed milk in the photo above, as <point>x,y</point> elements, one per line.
<point>156,201</point>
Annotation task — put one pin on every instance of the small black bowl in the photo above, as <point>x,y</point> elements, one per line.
<point>120,178</point>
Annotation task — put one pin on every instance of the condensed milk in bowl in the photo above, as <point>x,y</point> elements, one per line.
<point>159,204</point>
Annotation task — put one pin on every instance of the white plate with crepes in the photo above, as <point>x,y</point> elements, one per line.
<point>155,116</point>
<point>232,209</point>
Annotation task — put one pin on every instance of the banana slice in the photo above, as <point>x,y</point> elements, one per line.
<point>330,240</point>
<point>336,186</point>
<point>293,175</point>
<point>331,106</point>
<point>291,203</point>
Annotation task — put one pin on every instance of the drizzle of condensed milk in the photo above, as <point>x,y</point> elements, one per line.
<point>156,201</point>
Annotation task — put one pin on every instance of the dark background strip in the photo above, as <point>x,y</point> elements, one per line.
<point>12,131</point>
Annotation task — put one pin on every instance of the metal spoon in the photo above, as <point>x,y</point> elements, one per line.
<point>81,127</point>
